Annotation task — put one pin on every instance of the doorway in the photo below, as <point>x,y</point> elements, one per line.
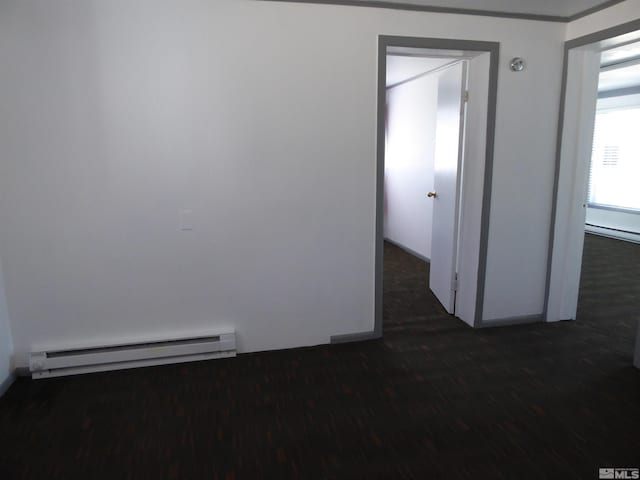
<point>596,159</point>
<point>425,120</point>
<point>454,236</point>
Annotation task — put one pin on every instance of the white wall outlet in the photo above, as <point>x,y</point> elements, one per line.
<point>186,220</point>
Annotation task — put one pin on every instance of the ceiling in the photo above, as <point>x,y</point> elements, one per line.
<point>562,8</point>
<point>400,68</point>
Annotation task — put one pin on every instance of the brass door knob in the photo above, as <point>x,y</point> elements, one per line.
<point>432,194</point>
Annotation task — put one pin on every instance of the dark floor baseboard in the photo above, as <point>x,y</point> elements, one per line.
<point>505,322</point>
<point>4,385</point>
<point>408,250</point>
<point>355,337</point>
<point>622,235</point>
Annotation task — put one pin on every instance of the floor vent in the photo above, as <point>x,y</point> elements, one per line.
<point>56,363</point>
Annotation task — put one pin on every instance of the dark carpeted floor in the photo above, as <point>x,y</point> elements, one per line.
<point>433,399</point>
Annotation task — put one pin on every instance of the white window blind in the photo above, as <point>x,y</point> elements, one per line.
<point>614,176</point>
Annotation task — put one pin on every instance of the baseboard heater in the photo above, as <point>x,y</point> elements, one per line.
<point>56,363</point>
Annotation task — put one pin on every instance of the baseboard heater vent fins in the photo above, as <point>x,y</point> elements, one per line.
<point>73,361</point>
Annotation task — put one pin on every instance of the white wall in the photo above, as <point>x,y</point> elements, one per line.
<point>526,128</point>
<point>411,129</point>
<point>261,118</point>
<point>6,343</point>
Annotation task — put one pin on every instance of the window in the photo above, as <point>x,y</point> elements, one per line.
<point>614,177</point>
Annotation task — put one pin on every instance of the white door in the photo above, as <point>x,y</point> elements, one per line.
<point>448,157</point>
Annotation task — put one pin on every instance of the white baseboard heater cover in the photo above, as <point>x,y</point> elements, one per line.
<point>56,363</point>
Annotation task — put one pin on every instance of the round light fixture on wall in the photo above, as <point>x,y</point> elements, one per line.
<point>517,64</point>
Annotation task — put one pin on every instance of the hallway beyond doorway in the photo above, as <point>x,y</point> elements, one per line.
<point>407,299</point>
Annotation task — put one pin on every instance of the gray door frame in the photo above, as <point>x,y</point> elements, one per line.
<point>384,42</point>
<point>601,36</point>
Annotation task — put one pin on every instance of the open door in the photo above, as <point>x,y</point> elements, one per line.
<point>448,157</point>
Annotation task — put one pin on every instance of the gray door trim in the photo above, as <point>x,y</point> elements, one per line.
<point>385,41</point>
<point>595,37</point>
<point>493,48</point>
<point>605,34</point>
<point>459,11</point>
